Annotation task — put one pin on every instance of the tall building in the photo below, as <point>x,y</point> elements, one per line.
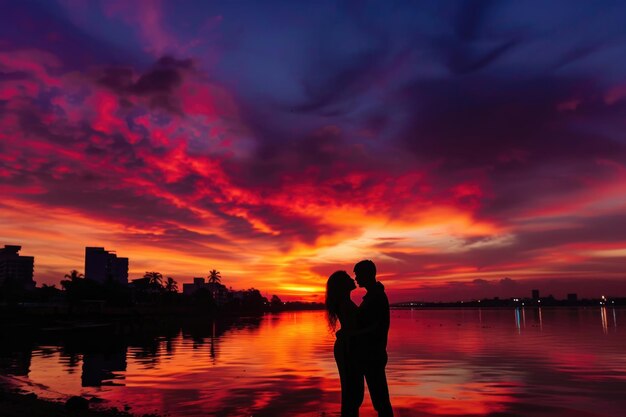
<point>16,268</point>
<point>101,265</point>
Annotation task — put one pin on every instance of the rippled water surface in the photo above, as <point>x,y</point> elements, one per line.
<point>548,362</point>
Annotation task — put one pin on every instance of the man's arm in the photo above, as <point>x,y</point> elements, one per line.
<point>378,321</point>
<point>372,328</point>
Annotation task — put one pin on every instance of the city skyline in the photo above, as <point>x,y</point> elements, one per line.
<point>475,148</point>
<point>103,261</point>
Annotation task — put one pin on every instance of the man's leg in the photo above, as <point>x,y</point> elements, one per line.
<point>354,388</point>
<point>357,389</point>
<point>379,390</point>
<point>352,392</point>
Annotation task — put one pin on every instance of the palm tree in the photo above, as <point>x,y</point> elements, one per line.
<point>214,277</point>
<point>155,279</point>
<point>48,291</point>
<point>171,285</point>
<point>74,275</point>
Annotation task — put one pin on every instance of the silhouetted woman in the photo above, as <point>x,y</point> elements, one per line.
<point>340,308</point>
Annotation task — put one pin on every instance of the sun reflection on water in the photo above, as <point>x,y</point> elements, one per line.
<point>471,362</point>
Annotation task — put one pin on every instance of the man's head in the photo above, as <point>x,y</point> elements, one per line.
<point>365,273</point>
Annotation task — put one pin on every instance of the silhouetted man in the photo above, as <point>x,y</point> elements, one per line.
<point>371,337</point>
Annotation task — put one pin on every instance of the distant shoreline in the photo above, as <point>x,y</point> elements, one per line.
<point>461,307</point>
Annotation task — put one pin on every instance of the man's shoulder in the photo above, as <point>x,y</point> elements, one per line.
<point>379,289</point>
<point>376,294</point>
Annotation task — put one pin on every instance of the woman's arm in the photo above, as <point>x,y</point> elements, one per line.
<point>348,317</point>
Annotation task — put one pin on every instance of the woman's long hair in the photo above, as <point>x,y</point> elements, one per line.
<point>335,286</point>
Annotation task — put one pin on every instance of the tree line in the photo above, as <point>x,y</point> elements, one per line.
<point>152,289</point>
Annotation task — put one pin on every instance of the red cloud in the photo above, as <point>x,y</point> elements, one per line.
<point>176,167</point>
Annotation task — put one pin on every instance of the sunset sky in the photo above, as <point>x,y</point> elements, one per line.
<point>470,148</point>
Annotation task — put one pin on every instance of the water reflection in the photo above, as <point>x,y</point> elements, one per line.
<point>605,324</point>
<point>518,320</point>
<point>473,362</point>
<point>101,367</point>
<point>15,358</point>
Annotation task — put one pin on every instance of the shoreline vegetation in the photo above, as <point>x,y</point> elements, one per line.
<point>151,297</point>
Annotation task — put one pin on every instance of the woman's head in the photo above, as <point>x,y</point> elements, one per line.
<point>338,289</point>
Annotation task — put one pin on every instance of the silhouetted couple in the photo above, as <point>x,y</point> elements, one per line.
<point>361,345</point>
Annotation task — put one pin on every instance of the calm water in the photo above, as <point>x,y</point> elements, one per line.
<point>549,362</point>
